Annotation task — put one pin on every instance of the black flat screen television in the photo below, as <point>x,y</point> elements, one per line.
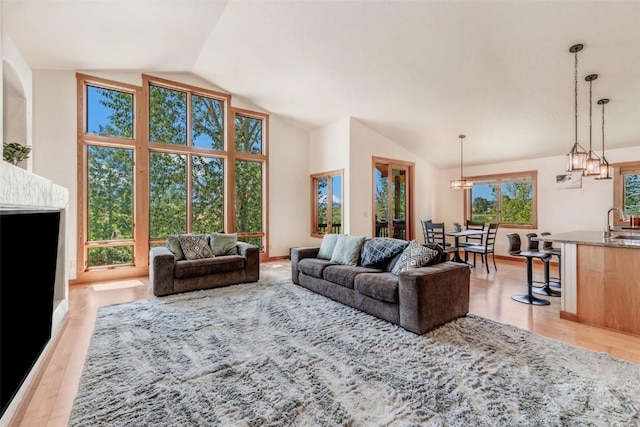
<point>28,258</point>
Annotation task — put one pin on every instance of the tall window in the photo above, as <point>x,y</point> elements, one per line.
<point>626,189</point>
<point>107,155</point>
<point>326,203</point>
<point>509,199</point>
<point>161,159</point>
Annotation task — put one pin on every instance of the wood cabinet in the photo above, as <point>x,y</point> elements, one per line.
<point>608,287</point>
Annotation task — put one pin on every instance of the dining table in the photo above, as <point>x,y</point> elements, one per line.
<point>456,236</point>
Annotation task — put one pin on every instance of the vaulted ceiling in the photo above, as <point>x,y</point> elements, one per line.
<point>418,72</point>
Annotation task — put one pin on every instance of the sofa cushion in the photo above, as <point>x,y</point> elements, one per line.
<point>381,286</point>
<point>173,244</point>
<point>380,250</point>
<point>201,267</point>
<point>344,275</point>
<point>313,266</point>
<point>195,246</point>
<point>328,245</point>
<point>442,257</point>
<point>223,244</point>
<point>392,262</point>
<point>414,256</point>
<point>347,250</point>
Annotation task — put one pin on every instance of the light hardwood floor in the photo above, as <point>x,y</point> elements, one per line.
<point>49,401</point>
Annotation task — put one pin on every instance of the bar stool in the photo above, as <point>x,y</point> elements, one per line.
<point>533,246</point>
<point>555,282</point>
<point>515,250</point>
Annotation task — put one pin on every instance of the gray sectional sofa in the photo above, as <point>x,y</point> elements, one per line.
<point>418,299</point>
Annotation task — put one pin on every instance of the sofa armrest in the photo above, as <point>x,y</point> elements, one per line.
<point>434,295</point>
<point>161,269</point>
<point>251,255</point>
<point>300,253</point>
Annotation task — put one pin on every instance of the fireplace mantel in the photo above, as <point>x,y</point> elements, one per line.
<point>23,190</point>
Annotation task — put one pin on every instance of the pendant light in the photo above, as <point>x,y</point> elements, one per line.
<point>606,170</point>
<point>593,161</point>
<point>577,157</point>
<point>461,184</point>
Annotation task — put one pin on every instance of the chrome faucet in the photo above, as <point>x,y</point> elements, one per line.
<point>607,232</point>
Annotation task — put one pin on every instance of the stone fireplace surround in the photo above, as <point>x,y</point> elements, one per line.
<point>22,190</point>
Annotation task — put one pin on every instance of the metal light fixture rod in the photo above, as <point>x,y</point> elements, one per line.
<point>606,170</point>
<point>577,157</point>
<point>593,161</point>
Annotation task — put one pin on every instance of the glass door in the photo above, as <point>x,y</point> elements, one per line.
<point>392,200</point>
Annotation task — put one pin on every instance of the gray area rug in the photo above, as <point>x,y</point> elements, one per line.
<point>276,354</point>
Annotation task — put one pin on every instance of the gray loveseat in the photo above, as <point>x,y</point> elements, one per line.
<point>418,299</point>
<point>169,275</point>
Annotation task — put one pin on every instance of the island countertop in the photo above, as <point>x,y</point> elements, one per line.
<point>596,238</point>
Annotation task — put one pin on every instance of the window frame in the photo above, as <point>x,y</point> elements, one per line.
<point>329,175</point>
<point>619,171</point>
<point>499,180</point>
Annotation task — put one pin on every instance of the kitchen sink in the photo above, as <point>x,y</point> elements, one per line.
<point>626,236</point>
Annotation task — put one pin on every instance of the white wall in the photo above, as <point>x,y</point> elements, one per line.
<point>328,151</point>
<point>55,155</point>
<point>288,187</point>
<point>365,144</point>
<point>559,210</point>
<point>17,114</point>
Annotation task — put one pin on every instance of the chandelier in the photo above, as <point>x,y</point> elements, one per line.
<point>461,184</point>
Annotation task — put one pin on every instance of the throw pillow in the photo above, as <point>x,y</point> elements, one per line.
<point>195,246</point>
<point>381,249</point>
<point>223,244</point>
<point>347,250</point>
<point>415,255</point>
<point>442,257</point>
<point>173,244</point>
<point>328,245</point>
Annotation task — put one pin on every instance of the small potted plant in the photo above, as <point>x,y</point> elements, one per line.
<point>14,153</point>
<point>457,227</point>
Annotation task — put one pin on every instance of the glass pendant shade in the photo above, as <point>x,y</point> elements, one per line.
<point>606,170</point>
<point>576,159</point>
<point>593,165</point>
<point>462,183</point>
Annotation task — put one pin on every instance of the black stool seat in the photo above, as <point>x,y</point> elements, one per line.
<point>514,249</point>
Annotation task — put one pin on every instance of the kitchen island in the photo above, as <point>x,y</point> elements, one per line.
<point>600,279</point>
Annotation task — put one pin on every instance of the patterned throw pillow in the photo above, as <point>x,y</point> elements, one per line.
<point>414,256</point>
<point>223,244</point>
<point>195,246</point>
<point>381,249</point>
<point>173,244</point>
<point>347,250</point>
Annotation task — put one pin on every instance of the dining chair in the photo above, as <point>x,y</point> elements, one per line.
<point>424,228</point>
<point>473,240</point>
<point>487,248</point>
<point>435,234</point>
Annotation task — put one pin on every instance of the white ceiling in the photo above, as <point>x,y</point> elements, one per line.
<point>418,72</point>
